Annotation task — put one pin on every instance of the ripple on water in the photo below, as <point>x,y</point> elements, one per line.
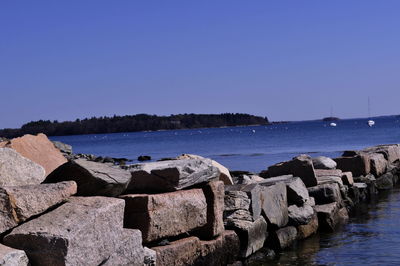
<point>371,238</point>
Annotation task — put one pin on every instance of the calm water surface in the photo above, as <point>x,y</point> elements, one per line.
<point>373,235</point>
<point>243,148</point>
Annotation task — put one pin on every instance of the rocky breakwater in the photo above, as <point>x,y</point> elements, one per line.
<point>187,210</point>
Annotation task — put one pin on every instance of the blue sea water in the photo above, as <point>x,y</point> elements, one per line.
<point>251,148</point>
<point>373,235</point>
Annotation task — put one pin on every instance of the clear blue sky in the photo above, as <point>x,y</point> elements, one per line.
<point>288,60</point>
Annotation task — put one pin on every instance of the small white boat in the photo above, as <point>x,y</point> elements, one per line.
<point>371,123</point>
<point>333,124</point>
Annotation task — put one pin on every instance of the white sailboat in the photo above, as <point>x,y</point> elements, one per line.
<point>370,122</point>
<point>332,124</point>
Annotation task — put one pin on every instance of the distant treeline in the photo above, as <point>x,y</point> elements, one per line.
<point>132,123</point>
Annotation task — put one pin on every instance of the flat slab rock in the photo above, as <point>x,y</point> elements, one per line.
<point>167,214</point>
<point>93,179</point>
<point>274,204</point>
<point>17,170</point>
<point>12,257</point>
<point>17,204</point>
<point>38,149</point>
<point>172,175</point>
<point>83,231</point>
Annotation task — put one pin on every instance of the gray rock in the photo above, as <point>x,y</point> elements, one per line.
<point>167,214</point>
<point>231,216</point>
<point>83,231</point>
<point>249,179</point>
<point>310,201</point>
<point>225,175</point>
<point>300,215</point>
<point>329,176</point>
<point>326,193</point>
<point>283,238</point>
<point>12,257</point>
<point>297,192</point>
<point>93,179</point>
<point>150,257</point>
<point>390,152</point>
<point>370,180</point>
<point>328,216</point>
<point>252,235</point>
<point>322,162</point>
<point>17,204</point>
<point>253,192</point>
<point>358,164</point>
<point>236,200</point>
<point>166,176</point>
<point>63,147</point>
<point>347,179</point>
<point>300,166</point>
<point>385,182</point>
<point>378,164</point>
<point>16,170</point>
<point>304,231</point>
<point>274,204</point>
<point>130,251</point>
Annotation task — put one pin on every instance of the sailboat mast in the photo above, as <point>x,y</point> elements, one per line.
<point>369,108</point>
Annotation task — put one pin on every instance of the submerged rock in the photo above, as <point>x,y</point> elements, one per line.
<point>143,158</point>
<point>282,238</point>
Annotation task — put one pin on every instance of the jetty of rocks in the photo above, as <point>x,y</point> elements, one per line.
<point>61,209</point>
